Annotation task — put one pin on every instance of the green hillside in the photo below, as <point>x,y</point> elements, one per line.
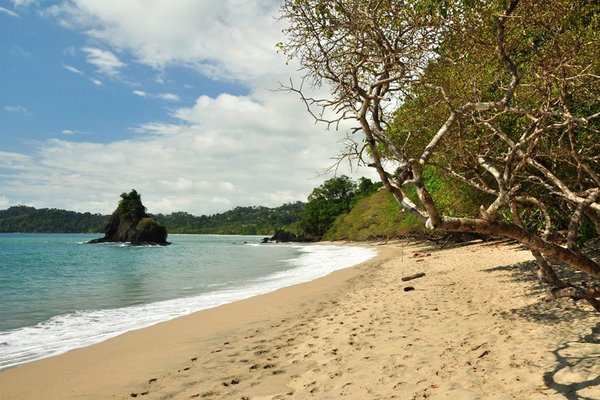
<point>29,219</point>
<point>373,217</point>
<point>380,216</point>
<point>240,220</point>
<point>339,209</point>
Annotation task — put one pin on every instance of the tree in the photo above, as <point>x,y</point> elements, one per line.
<point>130,206</point>
<point>502,96</point>
<point>325,203</point>
<point>366,186</point>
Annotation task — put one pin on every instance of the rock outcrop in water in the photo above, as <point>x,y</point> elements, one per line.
<point>283,236</point>
<point>129,223</point>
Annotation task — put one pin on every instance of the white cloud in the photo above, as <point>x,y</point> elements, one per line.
<point>13,160</point>
<point>18,109</point>
<point>8,12</point>
<point>219,152</point>
<point>157,128</point>
<point>71,132</point>
<point>70,51</point>
<point>72,69</point>
<point>24,3</point>
<point>163,96</point>
<point>107,63</point>
<point>4,202</point>
<point>168,96</point>
<point>229,39</point>
<point>217,155</point>
<point>96,82</point>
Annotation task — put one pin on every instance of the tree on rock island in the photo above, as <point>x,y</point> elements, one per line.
<point>129,223</point>
<point>500,95</point>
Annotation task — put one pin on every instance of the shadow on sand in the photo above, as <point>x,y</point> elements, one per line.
<point>566,360</point>
<point>575,373</point>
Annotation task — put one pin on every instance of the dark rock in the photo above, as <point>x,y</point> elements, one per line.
<point>282,236</point>
<point>130,224</point>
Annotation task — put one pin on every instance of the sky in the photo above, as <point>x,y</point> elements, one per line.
<point>175,98</point>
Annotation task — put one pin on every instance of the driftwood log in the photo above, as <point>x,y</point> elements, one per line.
<point>411,277</point>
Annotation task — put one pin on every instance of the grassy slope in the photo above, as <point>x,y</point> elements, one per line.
<point>375,216</point>
<point>380,216</point>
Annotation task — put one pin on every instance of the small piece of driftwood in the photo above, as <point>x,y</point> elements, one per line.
<point>409,288</point>
<point>415,276</point>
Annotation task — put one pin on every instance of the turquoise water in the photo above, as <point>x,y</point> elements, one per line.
<point>58,293</point>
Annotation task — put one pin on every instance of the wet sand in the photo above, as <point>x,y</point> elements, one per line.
<point>475,326</point>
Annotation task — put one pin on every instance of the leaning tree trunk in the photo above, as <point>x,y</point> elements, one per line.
<point>515,132</point>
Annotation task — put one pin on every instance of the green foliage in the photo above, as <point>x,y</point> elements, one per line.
<point>29,219</point>
<point>364,188</point>
<point>469,71</point>
<point>453,197</point>
<point>325,203</point>
<point>379,215</point>
<point>149,229</point>
<point>498,104</point>
<point>147,224</point>
<point>241,220</point>
<point>130,206</point>
<point>375,216</point>
<point>333,198</point>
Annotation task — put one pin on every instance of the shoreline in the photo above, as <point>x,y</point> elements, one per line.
<point>471,328</point>
<point>65,332</point>
<point>52,375</point>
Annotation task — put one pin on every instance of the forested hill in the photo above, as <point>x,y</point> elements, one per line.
<point>29,219</point>
<point>310,221</point>
<point>241,220</point>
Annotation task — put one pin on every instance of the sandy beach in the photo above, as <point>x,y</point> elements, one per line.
<point>475,326</point>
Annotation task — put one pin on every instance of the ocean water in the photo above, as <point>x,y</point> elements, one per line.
<point>58,293</point>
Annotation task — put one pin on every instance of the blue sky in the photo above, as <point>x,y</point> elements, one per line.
<point>170,97</point>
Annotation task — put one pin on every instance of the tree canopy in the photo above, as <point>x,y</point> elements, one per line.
<point>29,219</point>
<point>130,206</point>
<point>502,96</point>
<point>240,220</point>
<point>334,197</point>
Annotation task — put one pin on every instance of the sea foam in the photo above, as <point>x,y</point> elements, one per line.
<point>67,332</point>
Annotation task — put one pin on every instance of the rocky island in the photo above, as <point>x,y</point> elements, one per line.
<point>130,223</point>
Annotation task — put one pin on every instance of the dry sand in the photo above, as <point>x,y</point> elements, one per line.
<point>474,327</point>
